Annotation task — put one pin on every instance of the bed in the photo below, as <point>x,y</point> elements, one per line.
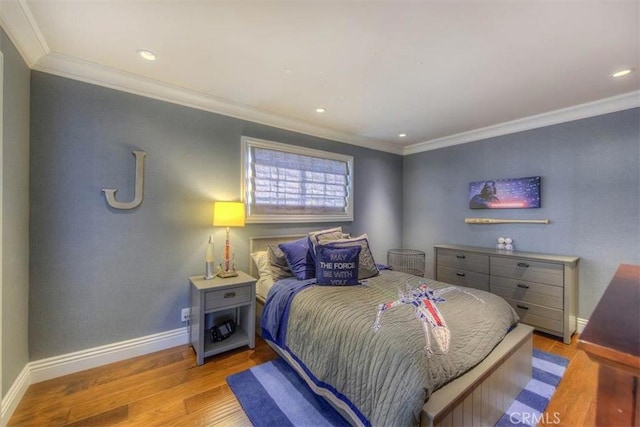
<point>477,397</point>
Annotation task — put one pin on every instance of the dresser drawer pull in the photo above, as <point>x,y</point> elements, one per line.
<point>520,285</point>
<point>230,295</point>
<point>523,264</point>
<point>524,307</point>
<point>460,274</point>
<point>460,256</point>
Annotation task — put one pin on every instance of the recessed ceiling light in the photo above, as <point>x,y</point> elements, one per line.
<point>147,54</point>
<point>622,73</point>
<point>402,135</point>
<point>321,110</point>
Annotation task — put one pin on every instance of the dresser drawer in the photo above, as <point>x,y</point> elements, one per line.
<point>531,292</point>
<point>542,288</point>
<point>532,271</point>
<point>535,315</point>
<point>459,277</point>
<point>227,297</point>
<point>461,260</point>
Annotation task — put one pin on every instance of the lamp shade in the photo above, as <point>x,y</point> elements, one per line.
<point>228,214</point>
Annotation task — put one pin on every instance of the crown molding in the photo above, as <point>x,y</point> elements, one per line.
<point>22,29</point>
<point>577,112</point>
<point>76,69</point>
<point>19,24</point>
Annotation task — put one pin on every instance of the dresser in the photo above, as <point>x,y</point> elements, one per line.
<point>542,288</point>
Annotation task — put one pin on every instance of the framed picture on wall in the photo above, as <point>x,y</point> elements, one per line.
<point>512,193</point>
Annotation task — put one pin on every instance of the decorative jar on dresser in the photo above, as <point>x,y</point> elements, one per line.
<point>219,300</point>
<point>542,288</point>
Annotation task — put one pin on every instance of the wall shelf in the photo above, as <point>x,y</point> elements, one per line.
<point>505,221</point>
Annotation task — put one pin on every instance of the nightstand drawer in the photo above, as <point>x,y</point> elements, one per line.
<point>227,297</point>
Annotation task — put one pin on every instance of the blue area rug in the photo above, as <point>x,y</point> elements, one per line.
<point>528,408</point>
<point>272,394</point>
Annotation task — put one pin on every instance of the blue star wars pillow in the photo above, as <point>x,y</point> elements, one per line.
<point>337,266</point>
<point>299,258</point>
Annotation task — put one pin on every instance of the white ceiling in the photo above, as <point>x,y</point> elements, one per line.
<point>442,72</point>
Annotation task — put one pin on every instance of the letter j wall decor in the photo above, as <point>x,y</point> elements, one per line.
<point>110,193</point>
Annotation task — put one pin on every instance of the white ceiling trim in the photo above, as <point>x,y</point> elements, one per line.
<point>18,22</point>
<point>577,112</point>
<point>76,69</point>
<point>21,27</point>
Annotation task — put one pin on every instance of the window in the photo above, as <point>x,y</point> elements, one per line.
<point>286,183</point>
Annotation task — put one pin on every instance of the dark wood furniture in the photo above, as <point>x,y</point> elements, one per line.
<point>612,339</point>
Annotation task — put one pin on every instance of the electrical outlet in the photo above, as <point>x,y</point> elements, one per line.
<point>184,316</point>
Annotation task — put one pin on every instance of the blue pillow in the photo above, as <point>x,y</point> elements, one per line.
<point>299,258</point>
<point>337,266</point>
<point>367,264</point>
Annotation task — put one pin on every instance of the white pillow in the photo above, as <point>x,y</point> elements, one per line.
<point>263,285</point>
<point>265,281</point>
<point>261,260</point>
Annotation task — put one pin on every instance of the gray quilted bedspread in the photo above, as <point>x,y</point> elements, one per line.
<point>387,374</point>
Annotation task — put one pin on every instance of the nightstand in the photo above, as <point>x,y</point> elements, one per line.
<point>217,300</point>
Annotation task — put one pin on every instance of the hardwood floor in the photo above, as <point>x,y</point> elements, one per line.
<point>167,388</point>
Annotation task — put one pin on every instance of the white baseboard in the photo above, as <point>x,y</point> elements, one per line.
<point>582,323</point>
<point>53,367</point>
<point>14,395</point>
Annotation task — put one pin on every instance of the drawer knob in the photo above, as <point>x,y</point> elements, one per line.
<point>230,295</point>
<point>523,264</point>
<point>520,285</point>
<point>459,274</point>
<point>524,307</point>
<point>460,256</point>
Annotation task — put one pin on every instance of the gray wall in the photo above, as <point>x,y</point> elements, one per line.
<point>100,275</point>
<point>590,173</point>
<point>15,214</point>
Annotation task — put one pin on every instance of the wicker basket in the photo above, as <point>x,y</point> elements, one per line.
<point>406,260</point>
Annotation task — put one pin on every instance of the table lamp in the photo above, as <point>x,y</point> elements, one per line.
<point>228,214</point>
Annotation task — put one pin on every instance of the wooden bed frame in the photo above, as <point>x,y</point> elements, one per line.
<point>479,397</point>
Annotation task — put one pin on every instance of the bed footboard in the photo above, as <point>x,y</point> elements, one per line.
<point>482,395</point>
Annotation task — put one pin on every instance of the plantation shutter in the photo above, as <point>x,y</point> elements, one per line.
<point>285,183</point>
